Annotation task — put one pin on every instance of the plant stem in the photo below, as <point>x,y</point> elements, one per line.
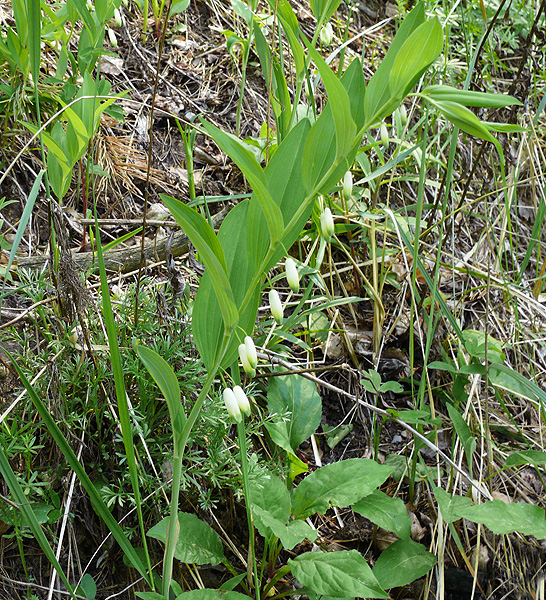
<point>244,469</point>
<point>181,439</point>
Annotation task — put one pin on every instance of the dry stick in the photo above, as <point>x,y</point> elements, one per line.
<point>274,360</point>
<point>123,259</point>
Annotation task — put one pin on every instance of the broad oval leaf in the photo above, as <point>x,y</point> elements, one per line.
<point>270,494</point>
<point>403,562</point>
<point>289,534</point>
<point>299,397</point>
<point>339,484</point>
<point>526,457</point>
<point>389,513</point>
<point>197,543</point>
<point>343,574</point>
<point>451,506</point>
<point>503,518</point>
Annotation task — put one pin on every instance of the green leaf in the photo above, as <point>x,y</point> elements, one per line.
<point>321,169</point>
<point>402,562</point>
<point>467,98</point>
<point>343,574</point>
<point>210,251</point>
<point>207,322</point>
<point>338,100</point>
<point>324,9</point>
<point>378,102</point>
<point>197,543</point>
<point>35,37</point>
<point>150,596</point>
<point>284,181</point>
<point>87,587</point>
<point>464,118</point>
<point>208,594</point>
<point>290,25</point>
<point>290,535</point>
<point>451,506</point>
<point>384,511</point>
<point>416,55</point>
<point>526,457</point>
<point>163,374</point>
<point>253,172</point>
<point>463,431</point>
<point>502,518</point>
<point>299,397</point>
<point>339,484</point>
<point>270,494</point>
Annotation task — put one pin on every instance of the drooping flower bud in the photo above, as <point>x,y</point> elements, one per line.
<point>242,400</point>
<point>251,352</point>
<point>292,275</point>
<point>243,355</point>
<point>403,115</point>
<point>117,17</point>
<point>384,135</point>
<point>327,35</point>
<point>276,306</point>
<point>232,405</point>
<point>327,224</point>
<point>348,186</point>
<point>112,37</point>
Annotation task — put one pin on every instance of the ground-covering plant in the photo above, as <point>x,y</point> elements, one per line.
<point>305,160</point>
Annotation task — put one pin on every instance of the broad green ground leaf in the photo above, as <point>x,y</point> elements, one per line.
<point>502,518</point>
<point>290,534</point>
<point>211,254</point>
<point>271,495</point>
<point>416,54</point>
<point>299,397</point>
<point>150,596</point>
<point>507,378</point>
<point>343,574</point>
<point>450,506</point>
<point>463,431</point>
<point>87,587</point>
<point>197,543</point>
<point>384,511</point>
<point>526,457</point>
<point>468,98</point>
<point>378,96</point>
<point>208,594</point>
<point>253,172</point>
<point>339,484</point>
<point>402,562</point>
